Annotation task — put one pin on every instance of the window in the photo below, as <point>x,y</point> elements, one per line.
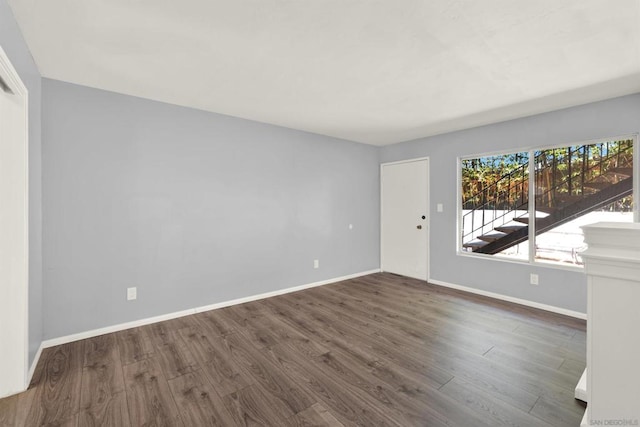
<point>572,186</point>
<point>495,192</point>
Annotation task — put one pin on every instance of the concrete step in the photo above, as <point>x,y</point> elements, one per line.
<point>474,244</point>
<point>492,236</point>
<point>509,228</point>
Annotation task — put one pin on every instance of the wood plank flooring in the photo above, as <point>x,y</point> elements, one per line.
<point>376,350</point>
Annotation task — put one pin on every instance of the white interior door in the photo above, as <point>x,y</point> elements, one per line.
<point>14,221</point>
<point>404,220</point>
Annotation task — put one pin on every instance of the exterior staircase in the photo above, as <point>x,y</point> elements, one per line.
<point>568,185</point>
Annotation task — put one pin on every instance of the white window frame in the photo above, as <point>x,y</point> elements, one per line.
<point>531,206</point>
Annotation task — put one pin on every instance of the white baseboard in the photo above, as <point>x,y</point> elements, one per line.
<point>283,291</point>
<point>514,300</point>
<point>32,368</point>
<point>581,388</point>
<point>115,328</point>
<point>585,419</point>
<point>128,325</point>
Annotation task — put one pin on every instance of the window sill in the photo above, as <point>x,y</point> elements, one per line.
<point>523,262</point>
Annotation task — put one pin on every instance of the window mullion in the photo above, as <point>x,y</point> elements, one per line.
<point>531,205</point>
<point>636,180</point>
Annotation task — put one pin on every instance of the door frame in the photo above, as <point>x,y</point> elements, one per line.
<point>428,225</point>
<point>14,272</point>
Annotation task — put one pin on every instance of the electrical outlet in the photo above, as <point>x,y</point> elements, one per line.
<point>350,226</point>
<point>316,263</point>
<point>533,279</point>
<point>439,207</point>
<point>132,293</point>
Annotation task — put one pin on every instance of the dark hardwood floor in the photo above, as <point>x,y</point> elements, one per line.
<point>377,350</point>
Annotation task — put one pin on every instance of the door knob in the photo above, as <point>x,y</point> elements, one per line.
<point>419,227</point>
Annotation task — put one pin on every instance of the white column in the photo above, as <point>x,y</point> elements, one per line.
<point>612,263</point>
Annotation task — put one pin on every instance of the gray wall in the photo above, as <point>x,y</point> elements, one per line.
<point>560,288</point>
<point>16,49</point>
<point>191,207</point>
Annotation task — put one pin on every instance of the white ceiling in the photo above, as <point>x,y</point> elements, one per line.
<point>372,71</point>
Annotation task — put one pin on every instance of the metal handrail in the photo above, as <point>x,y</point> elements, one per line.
<point>516,179</point>
<point>601,166</point>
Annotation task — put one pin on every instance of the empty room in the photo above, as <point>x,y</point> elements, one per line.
<point>319,213</point>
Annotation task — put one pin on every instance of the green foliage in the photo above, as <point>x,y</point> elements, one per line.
<point>493,180</point>
<point>501,181</point>
<point>567,171</point>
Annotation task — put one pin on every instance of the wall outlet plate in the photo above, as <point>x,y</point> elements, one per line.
<point>316,263</point>
<point>132,293</point>
<point>533,279</point>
